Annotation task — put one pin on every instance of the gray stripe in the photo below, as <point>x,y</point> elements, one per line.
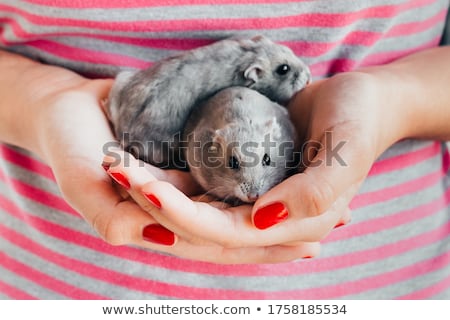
<point>30,178</point>
<point>4,297</point>
<point>399,289</point>
<point>392,234</point>
<point>26,285</point>
<point>394,178</point>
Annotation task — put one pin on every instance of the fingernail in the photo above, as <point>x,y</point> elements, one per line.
<point>340,224</point>
<point>106,165</point>
<point>156,233</point>
<point>269,215</point>
<point>307,257</point>
<point>153,200</point>
<point>120,179</point>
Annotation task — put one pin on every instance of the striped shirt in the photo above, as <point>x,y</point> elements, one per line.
<point>398,243</point>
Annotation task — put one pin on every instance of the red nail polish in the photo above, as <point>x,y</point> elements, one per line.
<point>269,215</point>
<point>340,224</point>
<point>120,179</point>
<point>156,233</point>
<point>307,257</point>
<point>153,200</point>
<point>106,166</point>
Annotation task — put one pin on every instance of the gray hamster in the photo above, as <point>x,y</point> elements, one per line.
<point>148,108</point>
<point>240,144</point>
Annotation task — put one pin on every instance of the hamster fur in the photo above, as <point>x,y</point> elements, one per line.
<point>148,108</point>
<point>240,144</point>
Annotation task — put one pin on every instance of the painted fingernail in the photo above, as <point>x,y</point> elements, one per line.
<point>307,257</point>
<point>269,215</point>
<point>106,165</point>
<point>156,233</point>
<point>120,179</point>
<point>340,224</point>
<point>153,200</point>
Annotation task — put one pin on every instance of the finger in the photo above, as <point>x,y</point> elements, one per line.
<point>182,180</point>
<point>217,254</point>
<point>335,169</point>
<point>201,223</point>
<point>345,219</point>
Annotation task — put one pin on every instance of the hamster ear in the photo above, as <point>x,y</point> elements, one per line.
<point>217,136</point>
<point>260,38</point>
<point>253,73</point>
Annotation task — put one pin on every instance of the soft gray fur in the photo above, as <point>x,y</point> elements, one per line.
<point>149,108</point>
<point>244,124</point>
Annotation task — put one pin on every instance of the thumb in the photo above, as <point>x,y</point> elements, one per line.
<point>336,168</point>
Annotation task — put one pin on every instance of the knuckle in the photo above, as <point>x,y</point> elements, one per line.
<point>109,229</point>
<point>319,196</point>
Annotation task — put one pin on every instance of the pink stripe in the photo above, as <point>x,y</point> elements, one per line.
<point>308,19</point>
<point>428,292</point>
<point>446,159</point>
<point>145,3</point>
<point>14,293</point>
<point>386,57</point>
<point>390,250</point>
<point>162,43</point>
<point>366,284</point>
<point>343,65</point>
<point>26,162</point>
<point>174,263</point>
<point>44,280</point>
<point>40,196</point>
<point>86,55</point>
<point>405,160</point>
<point>396,191</point>
<point>417,27</point>
<point>392,220</point>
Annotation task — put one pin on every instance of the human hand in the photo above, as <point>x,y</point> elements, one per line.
<point>195,227</point>
<point>345,124</point>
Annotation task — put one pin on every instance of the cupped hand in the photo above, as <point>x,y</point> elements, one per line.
<point>73,135</point>
<point>344,123</point>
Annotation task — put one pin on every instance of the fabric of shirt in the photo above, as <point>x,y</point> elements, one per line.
<point>397,245</point>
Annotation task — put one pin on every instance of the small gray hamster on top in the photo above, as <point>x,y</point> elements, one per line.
<point>240,144</point>
<point>148,108</point>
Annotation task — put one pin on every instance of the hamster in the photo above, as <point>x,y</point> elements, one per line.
<point>239,144</point>
<point>148,108</point>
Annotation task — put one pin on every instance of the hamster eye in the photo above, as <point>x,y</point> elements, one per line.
<point>283,69</point>
<point>234,163</point>
<point>266,160</point>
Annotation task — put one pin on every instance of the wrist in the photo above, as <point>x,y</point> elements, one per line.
<point>25,85</point>
<point>392,90</point>
<point>416,98</point>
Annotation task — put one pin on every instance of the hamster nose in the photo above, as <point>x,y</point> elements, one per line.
<point>253,196</point>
